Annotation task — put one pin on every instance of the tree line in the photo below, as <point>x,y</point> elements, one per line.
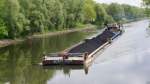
<point>147,7</point>
<point>19,18</point>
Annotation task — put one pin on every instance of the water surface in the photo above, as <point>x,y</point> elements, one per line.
<point>19,64</point>
<point>126,61</point>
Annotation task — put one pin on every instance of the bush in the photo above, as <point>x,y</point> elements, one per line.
<point>3,30</point>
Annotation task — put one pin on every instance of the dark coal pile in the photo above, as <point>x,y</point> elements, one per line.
<point>92,44</point>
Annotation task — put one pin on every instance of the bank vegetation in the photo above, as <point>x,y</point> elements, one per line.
<point>20,18</point>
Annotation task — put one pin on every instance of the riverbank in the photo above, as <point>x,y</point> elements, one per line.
<point>7,42</point>
<point>87,28</point>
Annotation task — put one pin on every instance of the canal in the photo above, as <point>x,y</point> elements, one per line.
<point>126,61</point>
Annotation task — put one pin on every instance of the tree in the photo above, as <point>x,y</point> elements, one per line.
<point>3,30</point>
<point>25,17</point>
<point>101,15</point>
<point>116,11</point>
<point>89,12</point>
<point>11,16</point>
<point>147,2</point>
<point>73,12</point>
<point>131,12</point>
<point>147,7</point>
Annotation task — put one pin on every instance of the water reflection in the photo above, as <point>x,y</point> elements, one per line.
<point>148,32</point>
<point>126,61</point>
<point>18,63</point>
<point>67,68</point>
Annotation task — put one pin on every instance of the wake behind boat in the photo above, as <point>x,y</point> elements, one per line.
<point>83,53</point>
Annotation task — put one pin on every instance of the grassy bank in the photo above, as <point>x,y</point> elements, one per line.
<point>85,28</point>
<point>6,42</point>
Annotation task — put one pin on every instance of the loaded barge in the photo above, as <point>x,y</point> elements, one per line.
<point>83,53</point>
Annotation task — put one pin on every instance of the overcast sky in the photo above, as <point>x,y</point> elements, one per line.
<point>131,2</point>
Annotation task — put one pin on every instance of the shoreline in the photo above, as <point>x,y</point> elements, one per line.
<point>88,27</point>
<point>7,42</point>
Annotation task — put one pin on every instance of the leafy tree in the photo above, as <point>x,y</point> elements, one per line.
<point>101,15</point>
<point>132,12</point>
<point>116,11</point>
<point>89,12</point>
<point>12,9</point>
<point>26,17</point>
<point>74,10</point>
<point>147,7</point>
<point>3,30</point>
<point>147,2</point>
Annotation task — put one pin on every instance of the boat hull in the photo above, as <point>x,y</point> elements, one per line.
<point>62,62</point>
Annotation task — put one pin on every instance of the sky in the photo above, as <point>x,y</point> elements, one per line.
<point>130,2</point>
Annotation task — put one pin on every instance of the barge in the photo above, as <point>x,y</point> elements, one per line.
<point>83,53</point>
